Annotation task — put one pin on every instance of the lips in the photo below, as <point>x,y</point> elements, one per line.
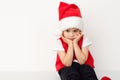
<point>71,38</point>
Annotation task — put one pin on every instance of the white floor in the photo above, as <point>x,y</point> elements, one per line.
<point>47,75</point>
<point>28,75</point>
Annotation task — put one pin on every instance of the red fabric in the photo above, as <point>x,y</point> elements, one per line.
<point>67,10</point>
<point>105,78</point>
<point>59,64</point>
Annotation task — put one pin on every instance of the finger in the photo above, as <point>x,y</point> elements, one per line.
<point>64,38</point>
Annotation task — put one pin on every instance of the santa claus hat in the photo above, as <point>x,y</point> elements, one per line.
<point>69,17</point>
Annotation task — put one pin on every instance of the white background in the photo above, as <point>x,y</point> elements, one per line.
<point>27,35</point>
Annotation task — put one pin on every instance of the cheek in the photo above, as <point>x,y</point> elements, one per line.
<point>77,34</point>
<point>64,35</point>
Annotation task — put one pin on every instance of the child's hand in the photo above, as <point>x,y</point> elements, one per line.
<point>68,41</point>
<point>78,38</point>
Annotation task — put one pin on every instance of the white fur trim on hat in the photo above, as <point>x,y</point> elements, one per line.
<point>71,22</point>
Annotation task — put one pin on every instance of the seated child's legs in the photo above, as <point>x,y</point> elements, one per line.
<point>87,72</point>
<point>69,73</point>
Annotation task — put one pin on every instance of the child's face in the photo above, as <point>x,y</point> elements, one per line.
<point>71,33</point>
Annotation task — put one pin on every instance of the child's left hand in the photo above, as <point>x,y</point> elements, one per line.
<point>78,38</point>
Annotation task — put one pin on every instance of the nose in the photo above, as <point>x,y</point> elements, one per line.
<point>71,34</point>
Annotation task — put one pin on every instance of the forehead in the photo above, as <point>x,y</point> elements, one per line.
<point>73,29</point>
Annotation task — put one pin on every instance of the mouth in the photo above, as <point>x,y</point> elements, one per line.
<point>71,39</point>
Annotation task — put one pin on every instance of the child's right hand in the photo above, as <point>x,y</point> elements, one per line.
<point>68,41</point>
<point>78,38</point>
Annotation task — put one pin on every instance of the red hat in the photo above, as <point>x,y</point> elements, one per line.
<point>69,16</point>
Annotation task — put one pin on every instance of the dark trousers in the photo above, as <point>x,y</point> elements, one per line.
<point>77,72</point>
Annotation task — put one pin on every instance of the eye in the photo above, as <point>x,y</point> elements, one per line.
<point>76,30</point>
<point>67,30</point>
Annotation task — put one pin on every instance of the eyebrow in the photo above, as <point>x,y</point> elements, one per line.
<point>78,30</point>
